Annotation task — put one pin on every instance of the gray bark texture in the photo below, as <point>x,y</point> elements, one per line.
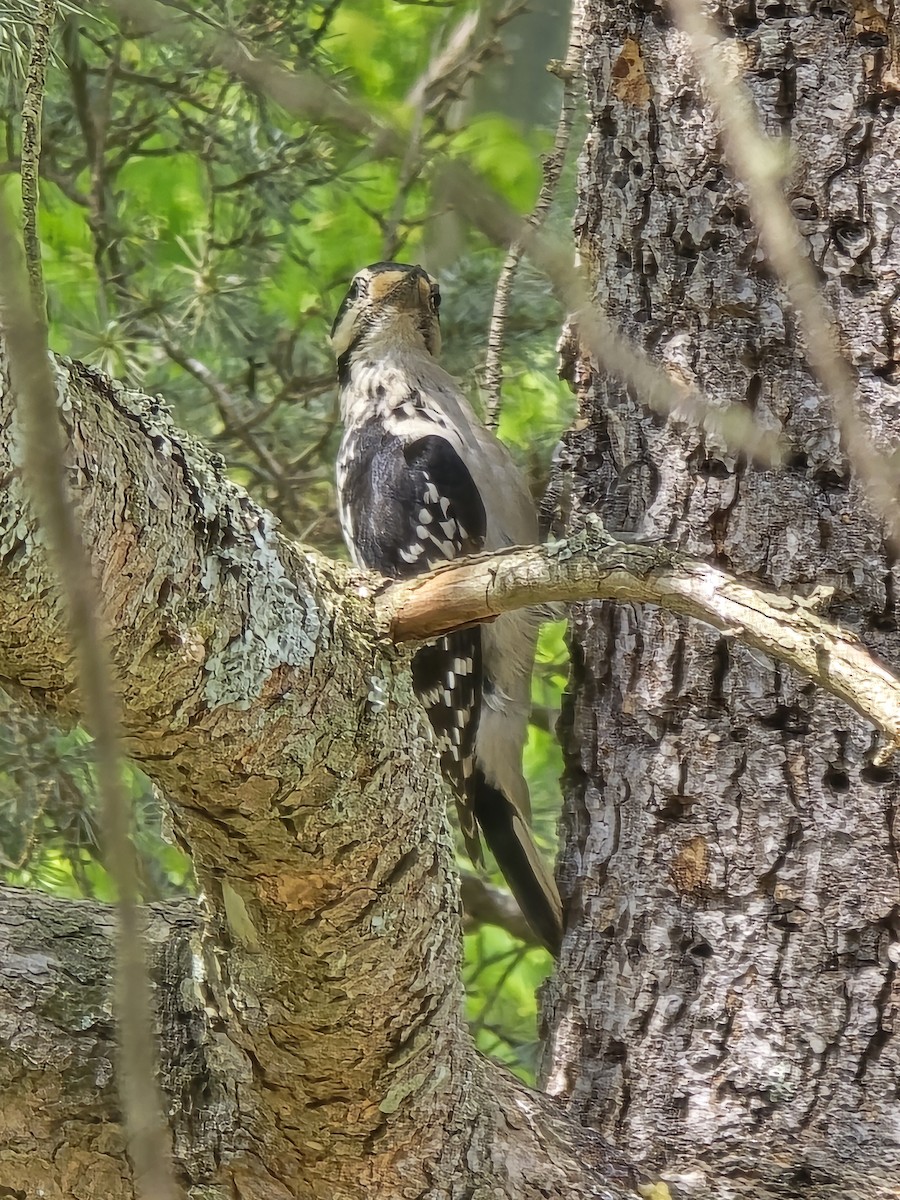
<point>726,1007</point>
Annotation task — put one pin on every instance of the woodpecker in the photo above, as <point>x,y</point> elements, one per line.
<point>420,480</point>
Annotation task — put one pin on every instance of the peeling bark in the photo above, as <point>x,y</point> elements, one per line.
<point>727,1000</point>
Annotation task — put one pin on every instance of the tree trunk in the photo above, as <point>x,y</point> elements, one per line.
<point>726,1004</point>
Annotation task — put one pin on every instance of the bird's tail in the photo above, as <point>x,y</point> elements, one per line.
<point>521,862</point>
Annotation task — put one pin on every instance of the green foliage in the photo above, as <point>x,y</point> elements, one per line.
<point>50,831</point>
<point>503,156</point>
<point>502,977</point>
<point>543,756</point>
<point>196,242</point>
<point>380,47</point>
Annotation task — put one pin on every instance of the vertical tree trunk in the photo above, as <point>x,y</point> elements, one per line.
<point>729,988</point>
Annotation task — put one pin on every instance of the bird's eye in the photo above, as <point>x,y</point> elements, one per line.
<point>435,301</point>
<point>353,293</point>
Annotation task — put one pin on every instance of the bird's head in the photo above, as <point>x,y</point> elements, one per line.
<point>388,305</point>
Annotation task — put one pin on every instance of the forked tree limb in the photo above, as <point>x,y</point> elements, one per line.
<point>594,565</point>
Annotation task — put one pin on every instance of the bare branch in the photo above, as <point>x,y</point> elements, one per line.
<point>594,565</point>
<point>226,403</point>
<point>32,111</point>
<point>568,71</point>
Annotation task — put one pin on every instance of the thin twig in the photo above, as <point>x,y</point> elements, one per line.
<point>440,86</point>
<point>408,174</point>
<point>569,72</point>
<point>759,164</point>
<point>492,995</point>
<point>32,111</point>
<point>225,402</point>
<point>93,125</point>
<point>33,383</point>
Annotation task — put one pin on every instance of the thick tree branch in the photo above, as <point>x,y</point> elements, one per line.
<point>593,565</point>
<point>254,688</point>
<point>59,1053</point>
<point>56,972</point>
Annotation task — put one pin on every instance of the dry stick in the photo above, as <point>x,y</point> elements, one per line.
<point>568,71</point>
<point>29,171</point>
<point>417,98</point>
<point>592,565</point>
<point>759,164</point>
<point>305,95</point>
<point>409,171</point>
<point>35,388</point>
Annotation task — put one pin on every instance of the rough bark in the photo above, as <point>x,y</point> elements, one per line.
<point>313,1041</point>
<point>61,1131</point>
<point>727,1000</point>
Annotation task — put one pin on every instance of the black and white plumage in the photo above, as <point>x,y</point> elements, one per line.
<point>420,481</point>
